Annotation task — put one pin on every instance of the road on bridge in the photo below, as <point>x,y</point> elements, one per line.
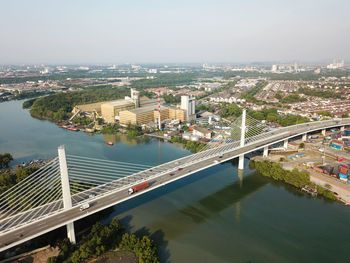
<point>44,225</point>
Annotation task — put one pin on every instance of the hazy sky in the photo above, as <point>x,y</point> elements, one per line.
<point>84,31</point>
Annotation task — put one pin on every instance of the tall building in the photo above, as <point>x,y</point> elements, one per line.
<point>189,104</point>
<point>274,68</point>
<point>336,64</point>
<point>296,67</point>
<point>135,97</point>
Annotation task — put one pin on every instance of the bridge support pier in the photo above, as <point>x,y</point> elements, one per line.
<point>285,144</point>
<point>266,151</point>
<point>342,128</point>
<point>324,132</point>
<point>71,232</point>
<point>241,162</point>
<point>304,137</point>
<point>67,198</point>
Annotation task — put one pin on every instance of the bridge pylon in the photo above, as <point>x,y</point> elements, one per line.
<point>243,129</point>
<point>67,198</point>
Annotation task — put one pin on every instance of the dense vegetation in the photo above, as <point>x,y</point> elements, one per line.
<point>295,177</point>
<point>10,177</point>
<point>171,79</point>
<point>318,93</point>
<point>59,106</point>
<point>144,247</point>
<point>204,107</point>
<point>110,129</point>
<point>28,103</point>
<point>172,99</point>
<point>293,98</point>
<point>325,113</point>
<point>190,145</point>
<point>131,130</point>
<point>103,238</point>
<point>5,159</point>
<point>271,115</point>
<point>230,110</point>
<point>32,94</point>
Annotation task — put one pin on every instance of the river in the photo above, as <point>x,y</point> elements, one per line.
<point>216,215</point>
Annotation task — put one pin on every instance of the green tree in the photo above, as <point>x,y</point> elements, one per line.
<point>5,159</point>
<point>272,117</point>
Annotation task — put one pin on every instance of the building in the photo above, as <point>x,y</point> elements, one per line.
<point>274,68</point>
<point>189,105</point>
<point>201,132</point>
<point>144,115</point>
<point>336,64</point>
<point>134,110</point>
<point>296,67</point>
<point>110,110</point>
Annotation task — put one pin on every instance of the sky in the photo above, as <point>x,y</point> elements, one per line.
<point>181,31</point>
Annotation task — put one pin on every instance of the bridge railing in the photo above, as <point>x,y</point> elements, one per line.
<point>159,170</point>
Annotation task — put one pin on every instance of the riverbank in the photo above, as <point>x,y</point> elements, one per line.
<point>295,177</point>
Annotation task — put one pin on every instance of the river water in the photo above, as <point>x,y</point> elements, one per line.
<point>216,215</point>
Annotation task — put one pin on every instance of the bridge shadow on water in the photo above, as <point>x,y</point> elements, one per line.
<point>185,219</point>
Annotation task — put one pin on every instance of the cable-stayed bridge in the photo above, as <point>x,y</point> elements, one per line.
<point>52,196</point>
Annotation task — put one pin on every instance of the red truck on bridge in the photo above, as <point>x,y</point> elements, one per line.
<point>138,187</point>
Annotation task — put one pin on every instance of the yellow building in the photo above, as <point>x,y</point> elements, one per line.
<point>148,114</point>
<point>110,110</point>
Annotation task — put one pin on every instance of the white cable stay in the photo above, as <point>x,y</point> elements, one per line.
<point>34,176</point>
<point>32,189</point>
<point>11,203</point>
<point>101,170</point>
<point>47,204</point>
<point>73,163</point>
<point>27,204</point>
<point>98,174</point>
<point>107,161</point>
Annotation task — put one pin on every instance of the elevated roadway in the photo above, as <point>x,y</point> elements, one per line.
<point>117,191</point>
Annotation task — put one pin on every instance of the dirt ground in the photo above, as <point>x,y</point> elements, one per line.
<point>39,257</point>
<point>117,257</point>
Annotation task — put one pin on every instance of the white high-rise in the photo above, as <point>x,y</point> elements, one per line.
<point>274,68</point>
<point>189,104</point>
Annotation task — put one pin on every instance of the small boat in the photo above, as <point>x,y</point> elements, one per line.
<point>110,143</point>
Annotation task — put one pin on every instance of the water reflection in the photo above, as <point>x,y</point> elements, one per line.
<point>123,138</point>
<point>208,207</point>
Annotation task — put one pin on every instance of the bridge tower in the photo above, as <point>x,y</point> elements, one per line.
<point>243,128</point>
<point>67,198</point>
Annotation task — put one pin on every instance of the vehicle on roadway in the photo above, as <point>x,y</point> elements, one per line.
<point>138,187</point>
<point>180,169</point>
<point>92,195</point>
<point>84,206</point>
<point>216,161</point>
<point>171,174</point>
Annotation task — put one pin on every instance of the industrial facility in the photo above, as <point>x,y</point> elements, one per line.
<point>138,111</point>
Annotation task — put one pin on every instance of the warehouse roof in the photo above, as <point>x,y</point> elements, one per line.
<point>119,102</point>
<point>146,109</point>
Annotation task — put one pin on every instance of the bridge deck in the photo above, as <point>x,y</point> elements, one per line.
<point>158,176</point>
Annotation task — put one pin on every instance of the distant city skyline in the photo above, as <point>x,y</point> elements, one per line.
<point>116,32</point>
